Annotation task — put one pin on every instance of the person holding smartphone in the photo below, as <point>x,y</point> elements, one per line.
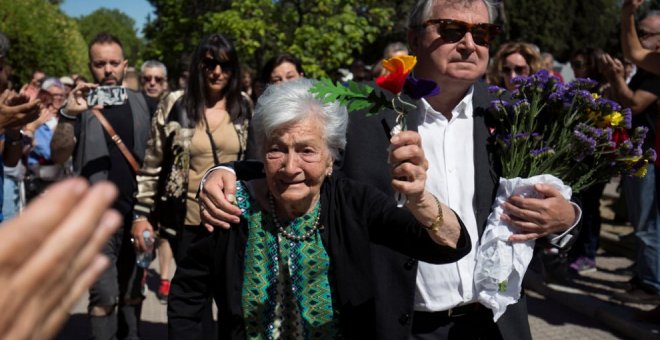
<point>115,298</point>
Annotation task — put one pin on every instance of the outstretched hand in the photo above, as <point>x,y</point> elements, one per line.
<point>49,256</point>
<point>538,217</point>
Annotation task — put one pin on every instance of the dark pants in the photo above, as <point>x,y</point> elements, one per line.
<point>475,324</point>
<point>589,236</point>
<point>119,285</point>
<point>180,245</point>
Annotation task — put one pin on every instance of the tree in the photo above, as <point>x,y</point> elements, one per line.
<point>176,30</point>
<point>562,27</point>
<point>324,34</point>
<point>41,37</point>
<point>117,23</point>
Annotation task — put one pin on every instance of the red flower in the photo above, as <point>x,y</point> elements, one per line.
<point>399,67</point>
<point>619,136</point>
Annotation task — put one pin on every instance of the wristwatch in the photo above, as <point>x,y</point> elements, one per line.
<point>139,217</point>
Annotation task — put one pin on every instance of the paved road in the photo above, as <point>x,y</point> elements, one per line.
<point>548,319</point>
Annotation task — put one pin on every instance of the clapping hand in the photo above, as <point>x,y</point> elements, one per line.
<point>17,110</point>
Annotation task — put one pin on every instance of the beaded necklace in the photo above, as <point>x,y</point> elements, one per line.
<point>289,235</point>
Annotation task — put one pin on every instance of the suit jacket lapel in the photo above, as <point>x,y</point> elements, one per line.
<point>485,175</point>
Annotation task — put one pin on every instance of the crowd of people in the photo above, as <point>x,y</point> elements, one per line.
<point>279,207</point>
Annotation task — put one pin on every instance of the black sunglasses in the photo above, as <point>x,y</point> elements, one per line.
<point>642,34</point>
<point>148,79</point>
<point>452,31</point>
<point>210,64</point>
<point>519,70</point>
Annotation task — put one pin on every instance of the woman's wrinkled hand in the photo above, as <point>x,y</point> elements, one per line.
<point>408,164</point>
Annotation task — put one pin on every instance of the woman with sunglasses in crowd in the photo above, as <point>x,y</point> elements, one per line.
<point>513,59</point>
<point>192,130</point>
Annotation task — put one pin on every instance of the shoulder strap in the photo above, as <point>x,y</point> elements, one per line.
<point>115,138</point>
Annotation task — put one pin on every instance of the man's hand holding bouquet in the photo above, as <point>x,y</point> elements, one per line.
<point>556,134</point>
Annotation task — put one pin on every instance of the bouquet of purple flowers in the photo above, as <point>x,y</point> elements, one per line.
<point>567,131</point>
<point>554,133</point>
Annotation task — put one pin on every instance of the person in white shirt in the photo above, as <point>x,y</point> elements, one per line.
<point>450,39</point>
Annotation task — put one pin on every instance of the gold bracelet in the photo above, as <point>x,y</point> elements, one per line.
<point>439,220</point>
<point>139,219</point>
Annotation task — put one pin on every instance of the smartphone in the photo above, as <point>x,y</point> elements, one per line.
<point>107,96</point>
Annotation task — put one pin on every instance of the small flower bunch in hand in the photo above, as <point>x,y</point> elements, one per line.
<point>567,131</point>
<point>399,81</point>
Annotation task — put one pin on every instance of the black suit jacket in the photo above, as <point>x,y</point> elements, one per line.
<point>365,160</point>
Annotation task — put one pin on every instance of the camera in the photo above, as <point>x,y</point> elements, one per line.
<point>107,96</point>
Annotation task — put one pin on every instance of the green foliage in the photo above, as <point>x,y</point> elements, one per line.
<point>562,27</point>
<point>324,34</point>
<point>41,37</point>
<point>354,96</point>
<point>117,23</point>
<point>177,29</point>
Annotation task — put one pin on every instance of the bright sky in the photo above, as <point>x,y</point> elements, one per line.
<point>136,9</point>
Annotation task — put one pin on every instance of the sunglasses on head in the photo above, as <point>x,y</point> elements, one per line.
<point>453,31</point>
<point>210,64</point>
<point>148,79</point>
<point>516,69</point>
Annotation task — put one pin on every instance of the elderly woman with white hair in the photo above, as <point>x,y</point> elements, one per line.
<point>298,263</point>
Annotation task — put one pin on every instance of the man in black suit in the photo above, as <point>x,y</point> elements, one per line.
<point>419,300</point>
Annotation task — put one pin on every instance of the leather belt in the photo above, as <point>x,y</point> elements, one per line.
<point>451,313</point>
<point>462,310</point>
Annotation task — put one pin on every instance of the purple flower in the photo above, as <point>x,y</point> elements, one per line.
<point>607,105</point>
<point>627,117</point>
<point>496,91</point>
<point>650,155</point>
<point>582,84</point>
<point>639,134</point>
<point>504,141</point>
<point>521,105</point>
<point>419,88</point>
<point>585,145</point>
<point>540,152</point>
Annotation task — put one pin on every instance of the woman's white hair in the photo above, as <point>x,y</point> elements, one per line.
<point>291,102</point>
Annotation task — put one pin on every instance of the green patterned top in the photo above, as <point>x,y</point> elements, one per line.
<point>286,284</point>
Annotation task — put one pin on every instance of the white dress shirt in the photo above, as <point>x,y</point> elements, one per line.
<point>449,148</point>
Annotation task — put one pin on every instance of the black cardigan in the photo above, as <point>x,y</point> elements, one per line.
<point>354,215</point>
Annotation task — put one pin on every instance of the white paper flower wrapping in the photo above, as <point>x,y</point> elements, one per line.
<point>501,265</point>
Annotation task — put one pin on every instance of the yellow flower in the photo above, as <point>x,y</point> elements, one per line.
<point>402,63</point>
<point>613,119</point>
<point>642,170</point>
